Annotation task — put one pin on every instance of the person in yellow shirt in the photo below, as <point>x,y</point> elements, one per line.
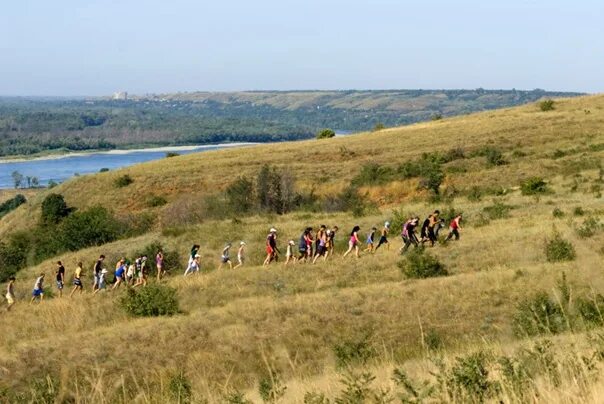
<point>77,280</point>
<point>10,293</point>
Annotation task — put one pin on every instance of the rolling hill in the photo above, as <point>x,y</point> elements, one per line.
<point>507,323</point>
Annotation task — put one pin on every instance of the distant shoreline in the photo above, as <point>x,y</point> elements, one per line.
<point>52,156</point>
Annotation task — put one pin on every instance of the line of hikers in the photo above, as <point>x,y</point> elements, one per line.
<point>311,247</point>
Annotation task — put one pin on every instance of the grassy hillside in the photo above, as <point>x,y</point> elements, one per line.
<point>307,327</point>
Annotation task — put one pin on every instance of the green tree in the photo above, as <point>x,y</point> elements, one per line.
<point>240,195</point>
<point>54,209</point>
<point>17,178</point>
<point>325,134</point>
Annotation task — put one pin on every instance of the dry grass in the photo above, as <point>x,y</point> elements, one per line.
<point>235,322</point>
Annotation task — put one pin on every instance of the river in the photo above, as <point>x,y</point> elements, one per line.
<point>61,167</point>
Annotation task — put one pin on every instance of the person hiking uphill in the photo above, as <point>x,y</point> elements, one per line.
<point>193,253</point>
<point>271,247</point>
<point>225,257</point>
<point>370,238</point>
<point>240,255</point>
<point>384,237</point>
<point>428,228</point>
<point>353,243</point>
<point>305,239</point>
<point>321,243</point>
<point>77,280</point>
<point>454,227</point>
<point>408,234</point>
<point>10,293</point>
<point>38,291</point>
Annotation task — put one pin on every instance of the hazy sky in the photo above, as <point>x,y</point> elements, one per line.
<point>96,47</point>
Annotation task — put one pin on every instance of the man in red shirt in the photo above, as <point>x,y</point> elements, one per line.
<point>455,227</point>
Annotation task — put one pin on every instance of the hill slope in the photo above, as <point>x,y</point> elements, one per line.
<point>240,327</point>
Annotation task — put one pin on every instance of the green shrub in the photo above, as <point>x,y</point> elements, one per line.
<point>533,186</point>
<point>154,201</point>
<point>420,264</point>
<point>325,134</point>
<point>557,213</point>
<point>93,226</point>
<point>104,170</point>
<point>373,174</point>
<point>11,204</point>
<point>354,351</point>
<point>236,397</point>
<point>578,211</point>
<point>241,196</point>
<point>475,194</point>
<point>180,388</point>
<point>538,315</point>
<point>270,388</point>
<point>150,301</point>
<point>52,184</point>
<point>494,157</point>
<point>471,375</point>
<point>591,310</point>
<point>498,210</point>
<point>546,105</point>
<point>172,154</point>
<point>311,397</point>
<point>54,209</point>
<point>123,181</point>
<point>378,126</point>
<point>558,249</point>
<point>589,228</point>
<point>436,117</point>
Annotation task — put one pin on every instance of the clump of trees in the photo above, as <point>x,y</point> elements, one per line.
<point>11,204</point>
<point>22,181</point>
<point>325,134</point>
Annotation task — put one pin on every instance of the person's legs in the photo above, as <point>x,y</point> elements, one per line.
<point>350,247</point>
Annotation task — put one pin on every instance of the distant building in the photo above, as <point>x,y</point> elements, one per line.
<point>120,95</point>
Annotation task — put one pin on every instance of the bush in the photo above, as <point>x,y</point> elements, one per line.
<point>498,210</point>
<point>356,351</point>
<point>558,213</point>
<point>475,194</point>
<point>12,204</point>
<point>104,170</point>
<point>557,249</point>
<point>325,134</point>
<point>533,186</point>
<point>589,227</point>
<point>54,209</point>
<point>470,374</point>
<point>538,315</point>
<point>180,388</point>
<point>270,388</point>
<point>151,301</point>
<point>172,154</point>
<point>378,126</point>
<point>94,226</point>
<point>546,105</point>
<point>420,264</point>
<point>240,195</point>
<point>123,181</point>
<point>494,157</point>
<point>373,174</point>
<point>154,201</point>
<point>579,211</point>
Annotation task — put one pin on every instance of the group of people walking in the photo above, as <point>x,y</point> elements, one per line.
<point>311,246</point>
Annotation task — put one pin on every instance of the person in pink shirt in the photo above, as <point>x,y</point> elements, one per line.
<point>353,243</point>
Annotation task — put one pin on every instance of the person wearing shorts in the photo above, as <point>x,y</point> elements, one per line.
<point>38,292</point>
<point>321,244</point>
<point>77,280</point>
<point>60,272</point>
<point>193,266</point>
<point>353,243</point>
<point>240,254</point>
<point>120,274</point>
<point>384,237</point>
<point>271,247</point>
<point>159,264</point>
<point>225,258</point>
<point>98,267</point>
<point>10,293</point>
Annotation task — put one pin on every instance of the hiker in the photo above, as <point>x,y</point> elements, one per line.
<point>102,281</point>
<point>353,243</point>
<point>77,280</point>
<point>120,273</point>
<point>370,238</point>
<point>408,234</point>
<point>384,237</point>
<point>10,293</point>
<point>131,271</point>
<point>320,244</point>
<point>193,266</point>
<point>240,255</point>
<point>289,253</point>
<point>60,272</point>
<point>142,273</point>
<point>428,228</point>
<point>194,252</point>
<point>331,237</point>
<point>271,247</point>
<point>303,245</point>
<point>454,227</point>
<point>309,240</point>
<point>98,267</point>
<point>38,291</point>
<point>225,257</point>
<point>159,264</point>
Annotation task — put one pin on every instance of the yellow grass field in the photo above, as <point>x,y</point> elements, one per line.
<point>286,326</point>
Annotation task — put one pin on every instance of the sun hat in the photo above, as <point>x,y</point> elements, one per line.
<point>291,242</point>
<point>273,230</point>
<point>242,243</point>
<point>197,256</point>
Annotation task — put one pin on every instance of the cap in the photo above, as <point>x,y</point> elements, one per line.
<point>291,242</point>
<point>273,230</point>
<point>197,256</point>
<point>242,243</point>
<point>387,224</point>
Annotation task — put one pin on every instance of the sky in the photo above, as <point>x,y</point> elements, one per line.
<point>97,47</point>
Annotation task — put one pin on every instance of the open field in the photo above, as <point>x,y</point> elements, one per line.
<point>238,328</point>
